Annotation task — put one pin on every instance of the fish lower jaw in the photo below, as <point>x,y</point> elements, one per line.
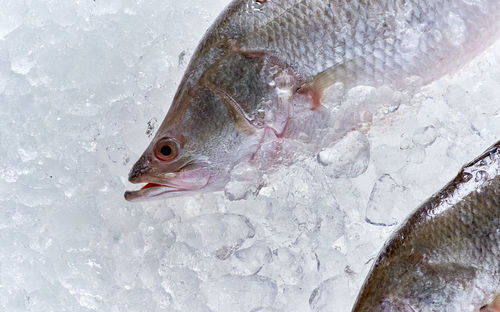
<point>155,190</point>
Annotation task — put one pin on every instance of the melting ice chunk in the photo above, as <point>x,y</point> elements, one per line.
<point>348,158</point>
<point>250,260</point>
<point>245,180</point>
<point>240,293</point>
<point>217,233</point>
<point>425,136</point>
<point>328,296</point>
<point>388,202</point>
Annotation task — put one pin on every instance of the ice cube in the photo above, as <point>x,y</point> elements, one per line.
<point>425,136</point>
<point>250,260</point>
<point>240,293</point>
<point>388,202</point>
<point>331,295</point>
<point>220,234</point>
<point>348,158</point>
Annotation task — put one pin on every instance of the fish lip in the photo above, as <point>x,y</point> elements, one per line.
<point>154,192</point>
<point>176,184</point>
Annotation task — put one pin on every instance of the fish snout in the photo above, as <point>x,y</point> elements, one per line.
<point>138,170</point>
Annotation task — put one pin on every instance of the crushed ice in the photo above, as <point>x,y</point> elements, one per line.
<point>82,85</point>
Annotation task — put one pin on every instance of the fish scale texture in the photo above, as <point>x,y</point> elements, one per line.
<point>446,257</point>
<point>373,41</point>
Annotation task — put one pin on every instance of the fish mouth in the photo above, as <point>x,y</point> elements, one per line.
<point>176,184</point>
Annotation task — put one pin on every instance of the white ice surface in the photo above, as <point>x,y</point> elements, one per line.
<point>82,86</point>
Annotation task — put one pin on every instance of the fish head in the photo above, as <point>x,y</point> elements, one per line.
<point>194,149</point>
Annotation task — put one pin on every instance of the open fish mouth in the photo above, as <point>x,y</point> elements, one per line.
<point>153,191</point>
<point>178,184</point>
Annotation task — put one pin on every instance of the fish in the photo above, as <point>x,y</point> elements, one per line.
<point>446,256</point>
<point>256,83</point>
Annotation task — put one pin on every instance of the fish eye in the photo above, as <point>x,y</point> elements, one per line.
<point>166,149</point>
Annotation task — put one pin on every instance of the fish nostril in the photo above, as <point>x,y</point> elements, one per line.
<point>136,173</point>
<point>140,167</point>
<point>132,177</point>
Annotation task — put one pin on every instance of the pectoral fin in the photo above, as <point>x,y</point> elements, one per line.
<point>348,73</point>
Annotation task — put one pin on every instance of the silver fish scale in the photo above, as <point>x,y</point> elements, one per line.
<point>364,41</point>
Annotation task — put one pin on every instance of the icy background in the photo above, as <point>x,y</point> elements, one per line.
<point>84,84</point>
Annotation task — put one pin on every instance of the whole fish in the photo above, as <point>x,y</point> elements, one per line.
<point>258,76</point>
<point>446,257</point>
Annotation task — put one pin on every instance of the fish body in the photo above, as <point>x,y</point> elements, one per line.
<point>446,257</point>
<point>258,76</point>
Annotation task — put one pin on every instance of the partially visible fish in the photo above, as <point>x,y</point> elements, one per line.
<point>446,257</point>
<point>259,74</point>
